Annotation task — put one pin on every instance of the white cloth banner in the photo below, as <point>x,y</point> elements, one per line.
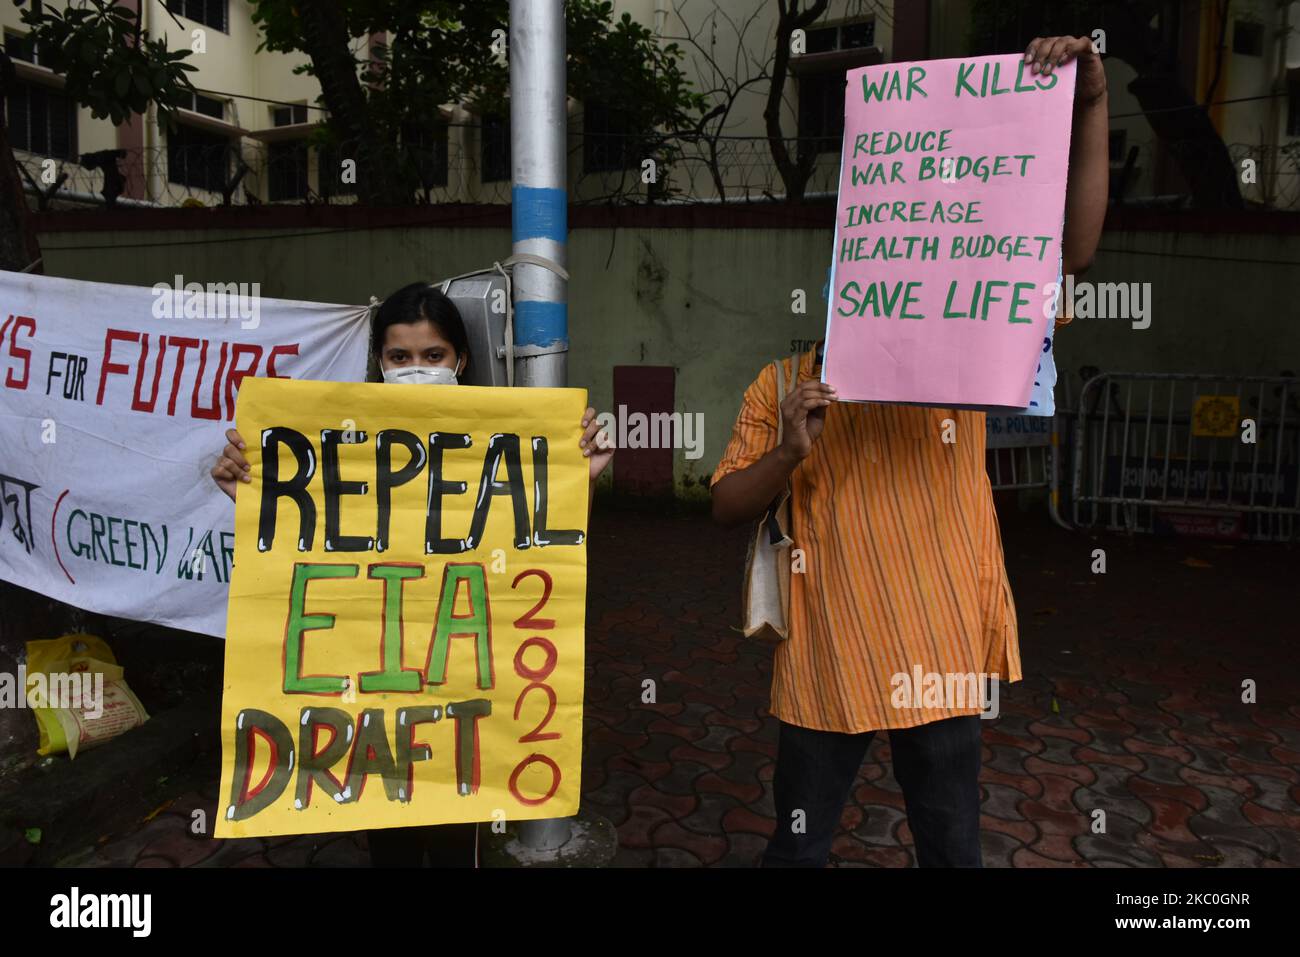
<point>114,402</point>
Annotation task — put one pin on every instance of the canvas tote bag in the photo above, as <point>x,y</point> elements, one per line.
<point>766,598</point>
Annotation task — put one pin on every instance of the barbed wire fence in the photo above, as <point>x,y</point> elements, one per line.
<point>605,169</point>
<point>1273,182</point>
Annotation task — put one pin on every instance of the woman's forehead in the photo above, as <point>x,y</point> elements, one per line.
<point>414,336</point>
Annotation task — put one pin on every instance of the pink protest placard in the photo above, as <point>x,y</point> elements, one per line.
<point>948,230</point>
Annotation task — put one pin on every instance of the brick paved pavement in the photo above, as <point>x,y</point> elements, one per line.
<point>1130,705</point>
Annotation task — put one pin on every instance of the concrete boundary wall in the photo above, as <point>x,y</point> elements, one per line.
<point>708,291</point>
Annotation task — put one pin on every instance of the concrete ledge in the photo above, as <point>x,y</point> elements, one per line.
<point>111,787</point>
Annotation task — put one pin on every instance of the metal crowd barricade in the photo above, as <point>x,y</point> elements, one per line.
<point>1023,452</point>
<point>1156,452</point>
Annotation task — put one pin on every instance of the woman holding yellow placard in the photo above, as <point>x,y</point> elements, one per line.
<point>418,337</point>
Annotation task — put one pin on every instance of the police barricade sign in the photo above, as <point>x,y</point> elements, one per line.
<point>1012,431</point>
<point>405,639</point>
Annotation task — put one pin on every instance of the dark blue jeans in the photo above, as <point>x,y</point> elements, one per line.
<point>937,765</point>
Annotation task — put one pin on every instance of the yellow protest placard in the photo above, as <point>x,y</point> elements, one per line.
<point>405,634</point>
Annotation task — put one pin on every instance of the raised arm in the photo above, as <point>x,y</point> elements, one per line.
<point>743,495</point>
<point>1089,181</point>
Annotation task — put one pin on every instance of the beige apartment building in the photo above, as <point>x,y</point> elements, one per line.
<point>254,107</point>
<point>245,138</point>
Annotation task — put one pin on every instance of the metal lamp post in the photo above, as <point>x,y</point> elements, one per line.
<point>539,226</point>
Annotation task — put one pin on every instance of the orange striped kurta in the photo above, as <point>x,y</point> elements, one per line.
<point>902,562</point>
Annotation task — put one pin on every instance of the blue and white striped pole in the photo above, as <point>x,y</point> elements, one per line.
<point>539,225</point>
<point>539,198</point>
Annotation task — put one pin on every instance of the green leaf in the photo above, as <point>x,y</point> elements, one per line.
<point>33,835</point>
<point>121,83</point>
<point>143,85</point>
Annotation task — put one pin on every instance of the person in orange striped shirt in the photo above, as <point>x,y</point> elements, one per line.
<point>903,572</point>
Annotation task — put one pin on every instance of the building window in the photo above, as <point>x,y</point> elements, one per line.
<point>425,146</point>
<point>289,115</point>
<point>41,120</point>
<point>211,13</point>
<point>197,158</point>
<point>821,95</point>
<point>286,171</point>
<point>21,47</point>
<point>496,148</point>
<point>329,172</point>
<point>856,36</point>
<point>198,103</point>
<point>1118,140</point>
<point>1293,104</point>
<point>1248,38</point>
<point>845,36</point>
<point>821,111</point>
<point>607,143</point>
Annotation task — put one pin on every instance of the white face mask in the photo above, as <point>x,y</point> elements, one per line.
<point>421,375</point>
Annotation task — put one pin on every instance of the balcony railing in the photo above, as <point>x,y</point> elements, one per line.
<point>687,168</point>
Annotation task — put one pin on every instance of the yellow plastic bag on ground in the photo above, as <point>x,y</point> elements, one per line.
<point>78,694</point>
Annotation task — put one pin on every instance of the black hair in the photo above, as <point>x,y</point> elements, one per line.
<point>420,302</point>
